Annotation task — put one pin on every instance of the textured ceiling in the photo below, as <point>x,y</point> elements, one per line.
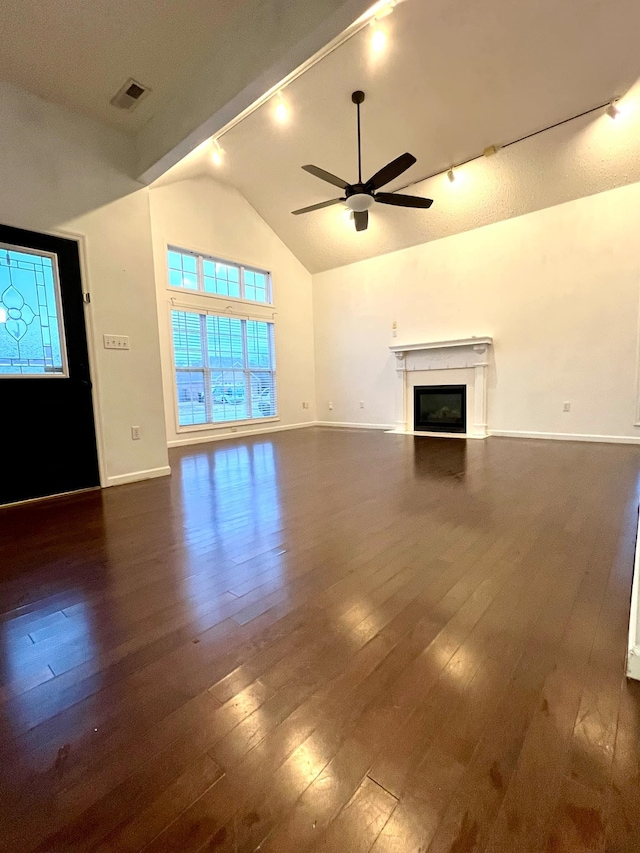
<point>456,77</point>
<point>79,52</point>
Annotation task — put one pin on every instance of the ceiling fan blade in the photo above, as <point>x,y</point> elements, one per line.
<point>391,170</point>
<point>403,200</point>
<point>361,218</point>
<point>317,206</point>
<point>326,176</point>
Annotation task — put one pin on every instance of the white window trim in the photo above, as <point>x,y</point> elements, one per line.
<point>60,317</point>
<point>214,425</point>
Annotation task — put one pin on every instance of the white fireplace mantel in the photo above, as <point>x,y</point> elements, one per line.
<point>462,354</point>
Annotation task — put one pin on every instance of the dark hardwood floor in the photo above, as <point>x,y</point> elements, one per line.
<point>329,641</point>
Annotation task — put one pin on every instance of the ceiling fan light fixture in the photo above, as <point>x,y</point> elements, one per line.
<point>359,202</point>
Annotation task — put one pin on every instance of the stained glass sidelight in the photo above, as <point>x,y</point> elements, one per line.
<point>30,322</point>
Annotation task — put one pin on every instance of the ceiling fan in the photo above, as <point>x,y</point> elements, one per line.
<point>360,197</point>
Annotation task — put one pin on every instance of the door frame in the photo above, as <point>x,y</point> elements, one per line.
<point>91,335</point>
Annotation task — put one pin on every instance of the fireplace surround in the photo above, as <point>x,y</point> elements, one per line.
<point>461,361</point>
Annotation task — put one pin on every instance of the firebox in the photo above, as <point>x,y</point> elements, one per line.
<point>440,408</point>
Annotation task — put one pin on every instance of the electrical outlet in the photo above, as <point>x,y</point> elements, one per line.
<point>566,407</point>
<point>135,433</point>
<point>116,341</point>
<point>305,404</point>
<point>362,404</point>
<point>330,407</point>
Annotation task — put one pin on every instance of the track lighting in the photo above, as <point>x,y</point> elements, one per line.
<point>217,155</point>
<point>451,175</point>
<point>613,110</point>
<point>379,34</point>
<point>281,110</point>
<point>387,9</point>
<point>490,150</point>
<point>378,37</point>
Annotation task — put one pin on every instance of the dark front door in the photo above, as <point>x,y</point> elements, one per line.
<point>47,431</point>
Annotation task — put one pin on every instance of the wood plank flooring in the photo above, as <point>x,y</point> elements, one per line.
<point>327,641</point>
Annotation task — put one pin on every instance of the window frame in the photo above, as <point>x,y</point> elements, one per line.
<point>200,291</point>
<point>64,373</point>
<point>203,312</point>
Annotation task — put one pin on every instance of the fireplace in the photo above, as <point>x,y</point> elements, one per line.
<point>440,408</point>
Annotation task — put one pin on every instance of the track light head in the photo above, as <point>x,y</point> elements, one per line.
<point>613,110</point>
<point>387,9</point>
<point>217,155</point>
<point>281,110</point>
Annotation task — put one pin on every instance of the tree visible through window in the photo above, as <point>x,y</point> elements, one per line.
<point>225,368</point>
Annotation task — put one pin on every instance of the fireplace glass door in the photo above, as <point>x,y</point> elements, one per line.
<point>440,408</point>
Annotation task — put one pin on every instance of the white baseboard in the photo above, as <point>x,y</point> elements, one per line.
<point>241,432</point>
<point>633,663</point>
<point>567,436</point>
<point>344,425</point>
<point>633,654</point>
<point>136,476</point>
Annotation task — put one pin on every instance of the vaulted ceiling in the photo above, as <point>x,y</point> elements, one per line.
<point>455,78</point>
<point>201,59</point>
<point>79,52</point>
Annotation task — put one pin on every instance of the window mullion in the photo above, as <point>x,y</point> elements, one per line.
<point>206,372</point>
<point>245,365</point>
<point>200,273</point>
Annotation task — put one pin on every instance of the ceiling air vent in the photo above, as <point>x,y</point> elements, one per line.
<point>129,95</point>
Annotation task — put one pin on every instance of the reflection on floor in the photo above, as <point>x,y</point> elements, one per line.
<point>326,640</point>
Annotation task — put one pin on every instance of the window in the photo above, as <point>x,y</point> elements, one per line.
<point>202,274</point>
<point>31,334</point>
<point>225,368</point>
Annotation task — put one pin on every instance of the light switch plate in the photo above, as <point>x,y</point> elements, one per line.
<point>116,341</point>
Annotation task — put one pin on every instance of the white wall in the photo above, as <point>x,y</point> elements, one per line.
<point>557,289</point>
<point>213,218</point>
<point>63,173</point>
